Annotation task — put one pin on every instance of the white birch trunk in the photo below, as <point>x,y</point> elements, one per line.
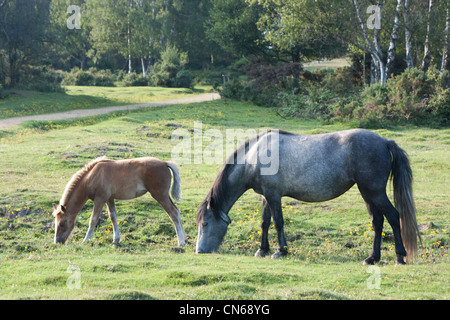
<point>408,45</point>
<point>426,49</point>
<point>394,37</point>
<point>376,56</point>
<point>445,57</point>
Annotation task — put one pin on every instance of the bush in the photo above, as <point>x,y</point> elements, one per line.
<point>169,71</point>
<point>41,78</point>
<point>133,80</point>
<point>184,79</point>
<point>92,77</point>
<point>411,97</point>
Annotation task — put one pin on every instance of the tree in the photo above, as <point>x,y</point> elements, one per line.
<point>23,25</point>
<point>112,27</point>
<point>427,55</point>
<point>70,46</point>
<point>392,42</point>
<point>303,28</point>
<point>445,63</point>
<point>408,35</point>
<point>233,25</point>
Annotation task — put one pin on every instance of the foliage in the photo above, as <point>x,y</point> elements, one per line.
<point>131,79</point>
<point>91,77</point>
<point>226,23</point>
<point>413,97</point>
<point>169,71</point>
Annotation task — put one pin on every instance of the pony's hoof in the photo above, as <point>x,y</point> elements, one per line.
<point>399,261</point>
<point>279,254</point>
<point>261,253</point>
<point>370,261</point>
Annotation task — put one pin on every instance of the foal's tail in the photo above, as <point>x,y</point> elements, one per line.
<point>176,188</point>
<point>403,198</point>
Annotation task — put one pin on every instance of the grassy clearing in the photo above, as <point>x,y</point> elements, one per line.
<point>327,241</point>
<point>24,103</point>
<point>327,64</point>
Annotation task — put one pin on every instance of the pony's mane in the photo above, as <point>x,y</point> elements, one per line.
<point>216,194</point>
<point>77,177</point>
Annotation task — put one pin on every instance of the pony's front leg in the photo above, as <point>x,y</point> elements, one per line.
<point>264,247</point>
<point>113,216</point>
<point>274,202</point>
<point>98,206</point>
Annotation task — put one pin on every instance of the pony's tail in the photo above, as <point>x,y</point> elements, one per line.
<point>176,187</point>
<point>402,178</point>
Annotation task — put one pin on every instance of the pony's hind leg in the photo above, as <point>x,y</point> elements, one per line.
<point>377,224</point>
<point>265,224</point>
<point>175,216</point>
<point>113,216</point>
<point>379,205</point>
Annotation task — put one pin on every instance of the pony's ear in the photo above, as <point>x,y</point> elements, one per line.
<point>54,206</point>
<point>63,209</point>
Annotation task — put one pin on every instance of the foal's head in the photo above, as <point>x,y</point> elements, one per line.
<point>64,223</point>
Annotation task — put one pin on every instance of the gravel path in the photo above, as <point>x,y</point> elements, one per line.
<point>80,113</point>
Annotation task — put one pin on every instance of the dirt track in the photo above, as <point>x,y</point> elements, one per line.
<point>80,113</point>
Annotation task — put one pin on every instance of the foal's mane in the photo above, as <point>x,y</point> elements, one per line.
<point>77,177</point>
<point>220,186</point>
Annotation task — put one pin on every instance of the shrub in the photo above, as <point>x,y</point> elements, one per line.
<point>169,71</point>
<point>133,80</point>
<point>184,79</point>
<point>41,78</point>
<point>91,77</point>
<point>410,97</point>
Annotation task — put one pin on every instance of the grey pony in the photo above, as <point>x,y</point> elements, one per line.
<point>314,168</point>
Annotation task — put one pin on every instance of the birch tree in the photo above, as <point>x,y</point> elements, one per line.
<point>373,48</point>
<point>445,54</point>
<point>408,34</point>
<point>393,40</point>
<point>426,51</point>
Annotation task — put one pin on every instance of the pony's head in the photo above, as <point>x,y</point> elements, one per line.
<point>212,228</point>
<point>64,223</point>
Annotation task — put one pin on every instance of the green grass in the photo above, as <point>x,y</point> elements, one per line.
<point>25,103</point>
<point>328,64</point>
<point>327,241</point>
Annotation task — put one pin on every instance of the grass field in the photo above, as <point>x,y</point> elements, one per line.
<point>327,241</point>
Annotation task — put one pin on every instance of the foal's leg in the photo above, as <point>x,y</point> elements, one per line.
<point>175,216</point>
<point>274,202</point>
<point>98,206</point>
<point>265,224</point>
<point>113,216</point>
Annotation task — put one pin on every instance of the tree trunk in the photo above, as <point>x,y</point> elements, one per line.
<point>144,71</point>
<point>375,54</point>
<point>377,48</point>
<point>408,45</point>
<point>129,48</point>
<point>445,55</point>
<point>426,49</point>
<point>394,37</point>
